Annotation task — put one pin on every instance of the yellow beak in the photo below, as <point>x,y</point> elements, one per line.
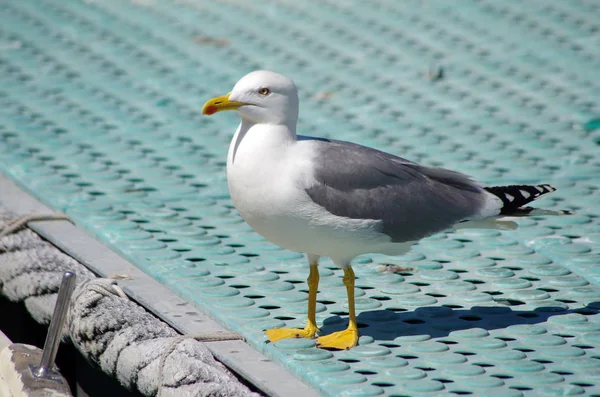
<point>219,104</point>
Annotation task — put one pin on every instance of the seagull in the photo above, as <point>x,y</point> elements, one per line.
<point>336,199</point>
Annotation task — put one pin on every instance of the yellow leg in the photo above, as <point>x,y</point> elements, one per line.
<point>347,338</point>
<point>311,325</point>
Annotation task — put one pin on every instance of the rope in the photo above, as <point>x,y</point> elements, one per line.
<point>218,337</point>
<point>20,222</point>
<point>205,337</point>
<point>141,351</point>
<point>122,338</point>
<point>163,359</point>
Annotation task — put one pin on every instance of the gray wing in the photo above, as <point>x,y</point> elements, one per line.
<point>411,200</point>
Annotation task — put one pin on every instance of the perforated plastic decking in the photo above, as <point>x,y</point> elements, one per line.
<point>99,116</point>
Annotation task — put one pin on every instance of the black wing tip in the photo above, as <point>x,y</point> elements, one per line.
<point>548,187</point>
<point>515,197</point>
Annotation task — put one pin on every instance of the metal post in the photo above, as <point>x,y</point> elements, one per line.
<point>56,326</point>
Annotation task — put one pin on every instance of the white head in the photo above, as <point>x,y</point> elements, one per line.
<point>261,97</point>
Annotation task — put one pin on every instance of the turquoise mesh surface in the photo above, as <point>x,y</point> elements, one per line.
<point>100,117</point>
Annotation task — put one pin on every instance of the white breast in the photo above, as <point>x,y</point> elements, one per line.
<point>255,165</point>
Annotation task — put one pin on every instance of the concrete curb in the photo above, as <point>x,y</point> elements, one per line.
<point>16,378</point>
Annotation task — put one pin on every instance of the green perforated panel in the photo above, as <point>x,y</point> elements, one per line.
<point>100,117</point>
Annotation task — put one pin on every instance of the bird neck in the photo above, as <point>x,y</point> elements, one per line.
<point>255,138</point>
<point>288,127</point>
<point>280,133</point>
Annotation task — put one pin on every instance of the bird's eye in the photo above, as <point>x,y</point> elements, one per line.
<point>264,91</point>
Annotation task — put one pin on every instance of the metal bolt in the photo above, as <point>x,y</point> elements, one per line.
<point>56,325</point>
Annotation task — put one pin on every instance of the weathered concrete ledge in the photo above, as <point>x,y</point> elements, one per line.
<point>16,377</point>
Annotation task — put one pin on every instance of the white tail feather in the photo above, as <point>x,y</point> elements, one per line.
<point>498,223</point>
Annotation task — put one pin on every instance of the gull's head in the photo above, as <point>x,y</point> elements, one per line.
<point>261,97</point>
